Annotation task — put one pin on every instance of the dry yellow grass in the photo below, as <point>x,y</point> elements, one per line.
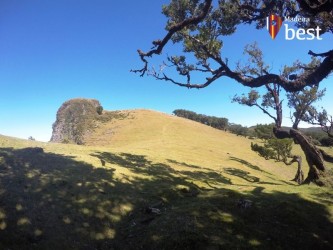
<point>175,141</point>
<point>163,137</point>
<point>95,195</point>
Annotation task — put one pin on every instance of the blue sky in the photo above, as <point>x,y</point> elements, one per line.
<point>52,51</point>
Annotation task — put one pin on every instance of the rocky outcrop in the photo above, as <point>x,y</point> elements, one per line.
<point>74,120</point>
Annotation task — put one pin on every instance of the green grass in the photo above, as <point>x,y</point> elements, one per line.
<point>100,196</point>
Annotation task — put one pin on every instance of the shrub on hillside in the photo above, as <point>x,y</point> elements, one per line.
<point>316,135</point>
<point>282,147</point>
<point>264,131</point>
<point>99,109</point>
<point>327,141</point>
<point>316,142</point>
<point>238,129</point>
<point>278,149</point>
<point>65,141</point>
<point>267,153</point>
<point>213,121</point>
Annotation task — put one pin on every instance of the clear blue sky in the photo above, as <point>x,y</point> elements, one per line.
<point>52,51</point>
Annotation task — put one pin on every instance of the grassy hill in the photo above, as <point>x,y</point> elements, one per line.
<point>148,180</point>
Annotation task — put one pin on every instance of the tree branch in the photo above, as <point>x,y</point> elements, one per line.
<point>265,111</point>
<point>314,8</point>
<point>325,54</point>
<point>159,44</point>
<point>309,78</point>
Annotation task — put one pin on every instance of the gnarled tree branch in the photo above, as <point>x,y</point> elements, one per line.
<point>159,44</point>
<point>291,84</point>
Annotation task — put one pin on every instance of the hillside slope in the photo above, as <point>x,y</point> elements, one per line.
<point>148,180</point>
<point>167,137</point>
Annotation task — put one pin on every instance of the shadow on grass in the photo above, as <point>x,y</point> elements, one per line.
<point>50,201</point>
<point>207,177</point>
<point>246,163</point>
<point>242,174</point>
<point>184,164</point>
<point>139,164</point>
<point>246,176</point>
<point>254,167</point>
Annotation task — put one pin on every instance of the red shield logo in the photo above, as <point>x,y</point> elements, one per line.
<point>274,23</point>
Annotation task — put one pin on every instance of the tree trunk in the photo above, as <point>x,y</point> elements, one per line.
<point>326,156</point>
<point>313,157</point>
<point>299,177</point>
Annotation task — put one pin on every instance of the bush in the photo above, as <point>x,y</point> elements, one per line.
<point>278,149</point>
<point>264,131</point>
<point>282,147</point>
<point>327,141</point>
<point>316,142</point>
<point>213,121</point>
<point>316,135</point>
<point>65,141</point>
<point>238,130</point>
<point>99,109</point>
<point>267,153</point>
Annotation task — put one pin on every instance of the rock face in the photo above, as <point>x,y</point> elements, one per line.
<point>74,120</point>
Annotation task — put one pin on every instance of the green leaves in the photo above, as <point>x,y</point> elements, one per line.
<point>255,66</point>
<point>278,149</point>
<point>213,121</point>
<point>249,100</point>
<point>99,109</point>
<point>282,148</point>
<point>264,131</point>
<point>301,103</point>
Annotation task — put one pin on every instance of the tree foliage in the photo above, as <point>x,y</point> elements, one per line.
<point>238,129</point>
<point>264,131</point>
<point>327,141</point>
<point>302,104</point>
<point>99,109</point>
<point>304,110</point>
<point>199,27</point>
<point>321,118</point>
<point>273,148</point>
<point>278,149</point>
<point>270,101</point>
<point>213,121</point>
<point>263,151</point>
<point>282,148</point>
